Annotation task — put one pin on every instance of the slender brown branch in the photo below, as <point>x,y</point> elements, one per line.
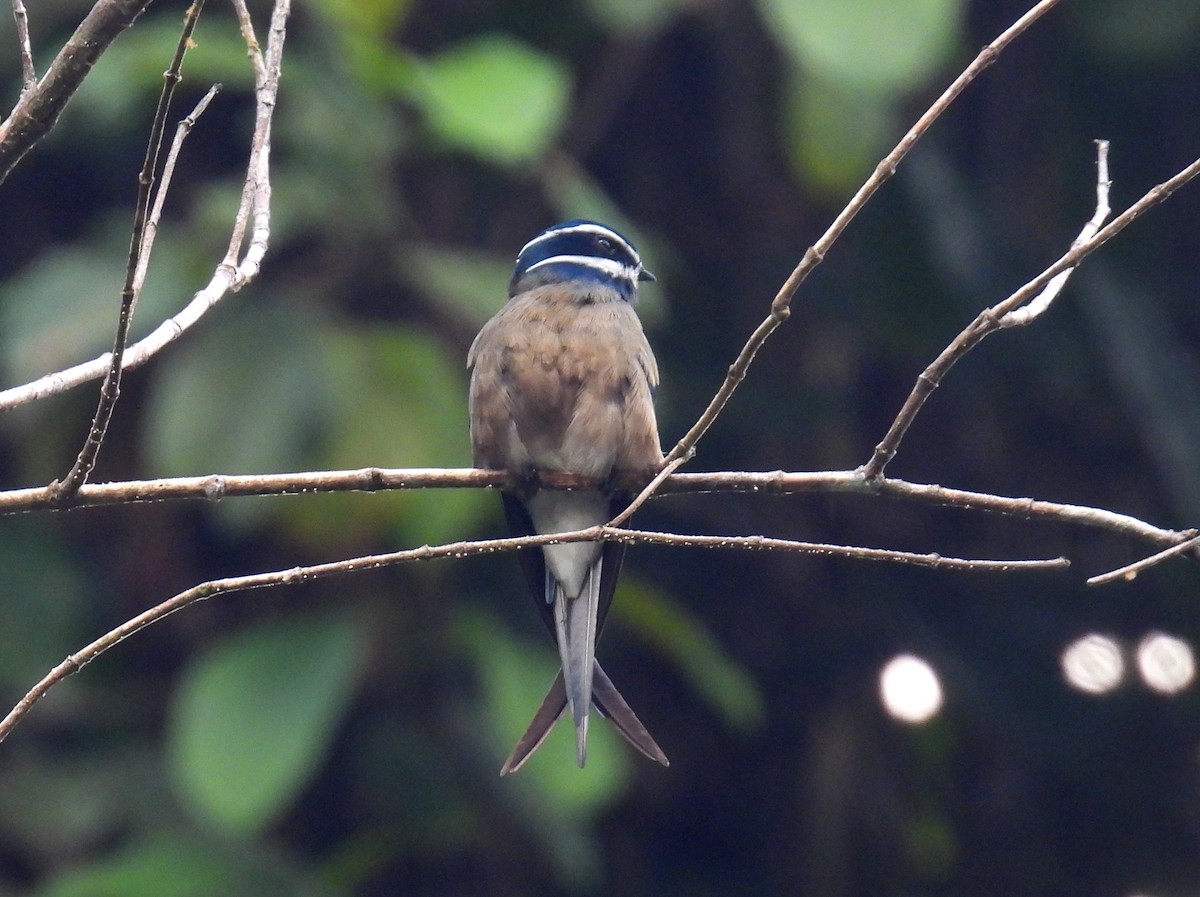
<point>992,319</point>
<point>110,390</point>
<point>764,543</point>
<point>38,110</point>
<point>650,489</point>
<point>28,72</point>
<point>781,305</point>
<point>215,487</point>
<point>75,662</point>
<point>1130,571</point>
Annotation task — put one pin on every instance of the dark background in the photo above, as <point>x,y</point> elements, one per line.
<point>344,737</point>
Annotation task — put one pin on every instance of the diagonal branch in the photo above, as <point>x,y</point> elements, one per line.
<point>1130,571</point>
<point>38,109</point>
<point>781,305</point>
<point>1041,303</point>
<point>998,316</point>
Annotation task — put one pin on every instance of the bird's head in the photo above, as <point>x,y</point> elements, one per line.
<point>582,252</point>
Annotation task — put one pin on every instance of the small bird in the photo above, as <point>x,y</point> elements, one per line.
<point>562,380</point>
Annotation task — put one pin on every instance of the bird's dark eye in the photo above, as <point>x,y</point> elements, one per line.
<point>606,245</point>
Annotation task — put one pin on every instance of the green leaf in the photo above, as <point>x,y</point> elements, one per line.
<point>252,718</point>
<point>377,18</point>
<point>678,634</point>
<point>496,98</point>
<point>130,75</point>
<point>62,309</point>
<point>188,865</point>
<point>889,46</point>
<point>165,867</point>
<point>837,133</point>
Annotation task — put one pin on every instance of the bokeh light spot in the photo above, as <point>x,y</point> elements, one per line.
<point>909,689</point>
<point>1166,663</point>
<point>1093,664</point>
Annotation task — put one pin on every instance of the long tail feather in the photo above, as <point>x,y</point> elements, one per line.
<point>613,707</point>
<point>610,704</point>
<point>543,721</point>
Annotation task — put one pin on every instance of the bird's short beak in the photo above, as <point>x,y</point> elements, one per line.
<point>643,274</point>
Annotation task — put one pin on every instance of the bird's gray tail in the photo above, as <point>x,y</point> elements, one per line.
<point>575,627</point>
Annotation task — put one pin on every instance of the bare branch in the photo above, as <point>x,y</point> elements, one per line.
<point>990,320</point>
<point>1130,571</point>
<point>215,487</point>
<point>650,488</point>
<point>75,662</point>
<point>110,390</point>
<point>37,110</point>
<point>233,272</point>
<point>256,195</point>
<point>28,72</point>
<point>781,305</point>
<point>253,50</point>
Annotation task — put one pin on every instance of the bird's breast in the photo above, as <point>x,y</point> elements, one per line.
<point>562,385</point>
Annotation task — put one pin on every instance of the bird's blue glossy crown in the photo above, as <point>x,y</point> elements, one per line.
<point>579,251</point>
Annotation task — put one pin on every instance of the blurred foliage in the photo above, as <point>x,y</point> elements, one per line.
<point>343,737</point>
<point>254,715</point>
<point>495,98</point>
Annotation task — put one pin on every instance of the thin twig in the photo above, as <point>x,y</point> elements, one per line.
<point>266,82</point>
<point>989,320</point>
<point>1038,305</point>
<point>75,662</point>
<point>1130,571</point>
<point>232,273</point>
<point>37,111</point>
<point>181,132</point>
<point>28,72</point>
<point>110,390</point>
<point>650,489</point>
<point>253,50</point>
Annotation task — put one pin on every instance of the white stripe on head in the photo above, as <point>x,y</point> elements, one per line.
<point>586,227</point>
<point>610,267</point>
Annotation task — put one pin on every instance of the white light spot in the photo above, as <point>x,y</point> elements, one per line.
<point>1093,664</point>
<point>1166,663</point>
<point>909,689</point>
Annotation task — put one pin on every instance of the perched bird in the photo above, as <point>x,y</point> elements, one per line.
<point>562,380</point>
